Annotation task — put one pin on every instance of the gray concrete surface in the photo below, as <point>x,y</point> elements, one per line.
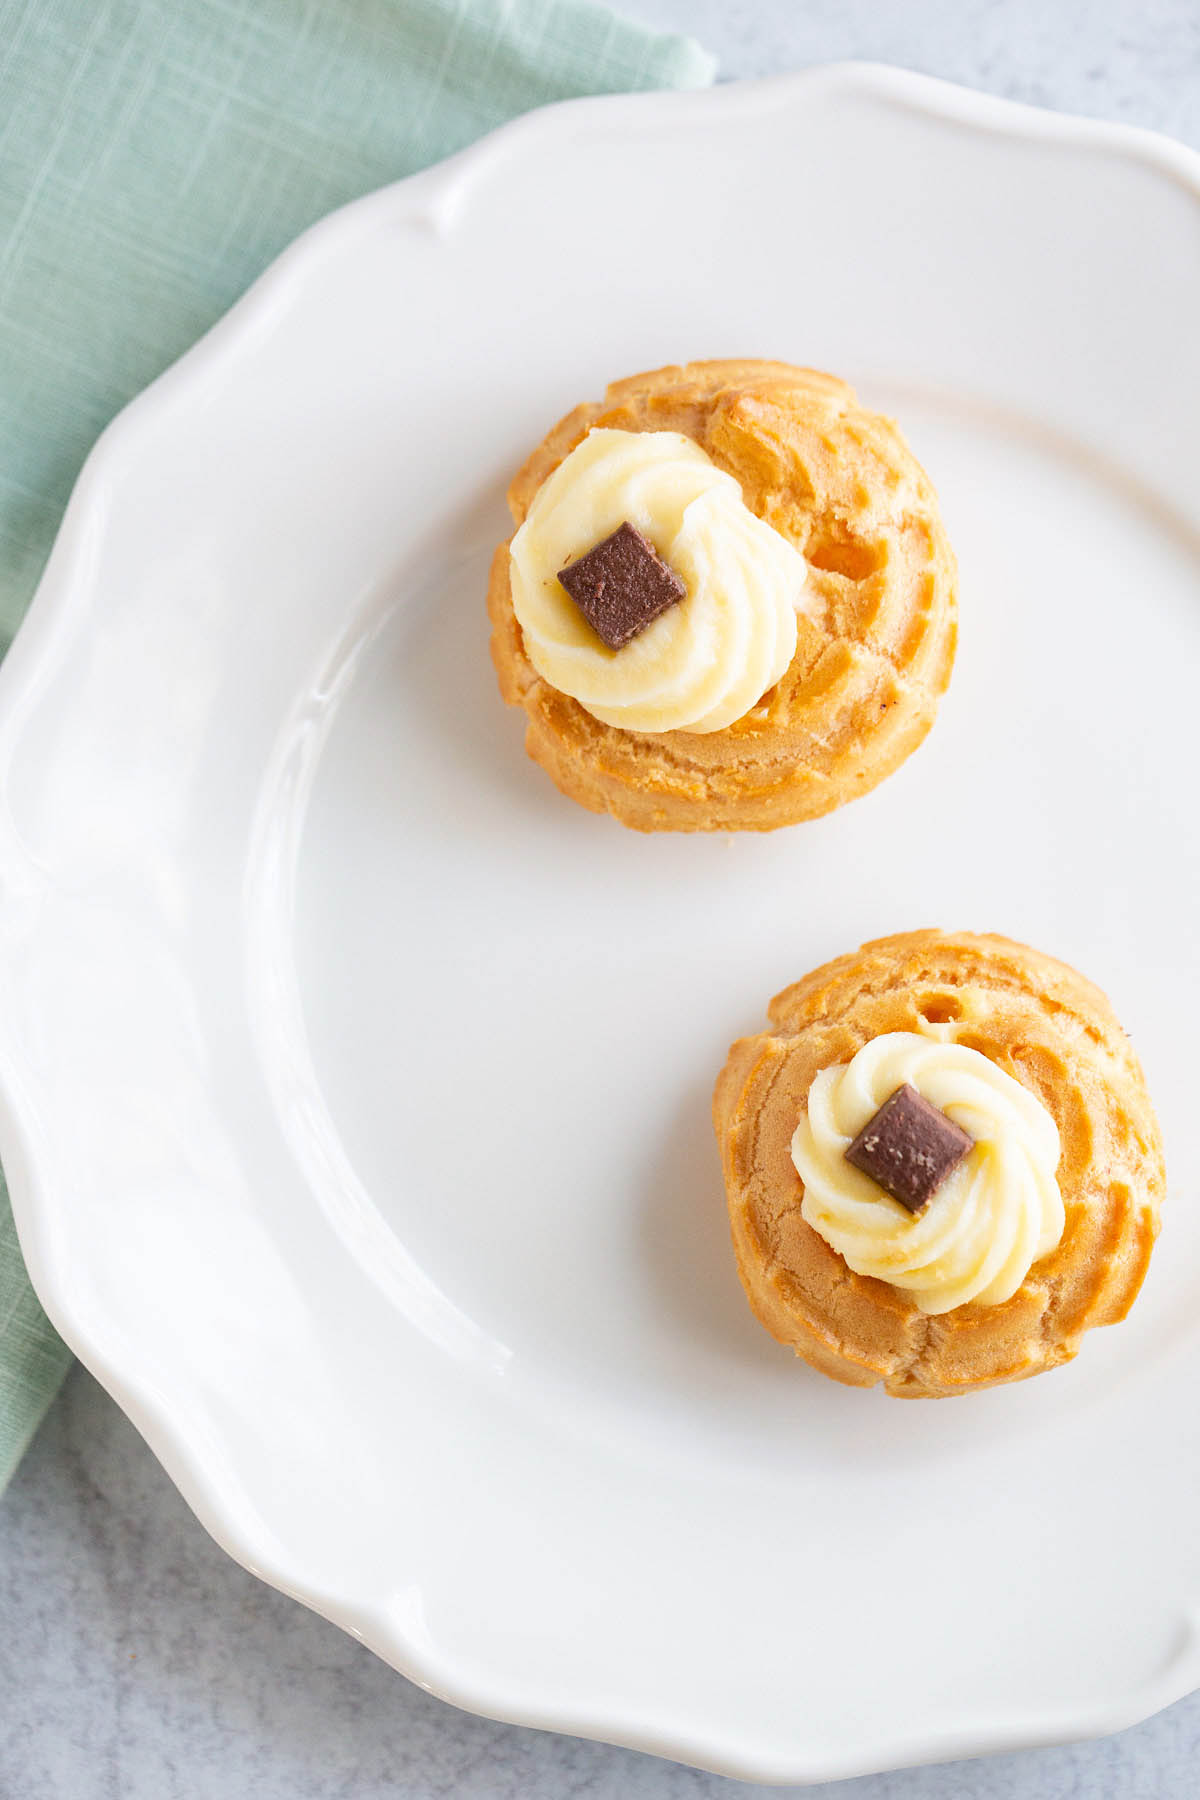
<point>136,1661</point>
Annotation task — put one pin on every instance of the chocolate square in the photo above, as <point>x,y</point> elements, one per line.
<point>621,585</point>
<point>909,1148</point>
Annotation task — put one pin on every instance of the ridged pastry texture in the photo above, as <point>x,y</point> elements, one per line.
<point>875,644</point>
<point>1042,1023</point>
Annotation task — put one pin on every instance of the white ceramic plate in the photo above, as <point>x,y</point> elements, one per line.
<point>355,1085</point>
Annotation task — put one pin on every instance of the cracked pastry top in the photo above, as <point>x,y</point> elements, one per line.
<point>729,601</point>
<point>941,1163</point>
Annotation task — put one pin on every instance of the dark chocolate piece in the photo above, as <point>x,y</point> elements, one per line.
<point>621,585</point>
<point>909,1148</point>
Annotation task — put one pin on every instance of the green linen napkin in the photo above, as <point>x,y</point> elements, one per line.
<point>154,156</point>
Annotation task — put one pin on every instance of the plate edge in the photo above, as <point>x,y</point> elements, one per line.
<point>434,198</point>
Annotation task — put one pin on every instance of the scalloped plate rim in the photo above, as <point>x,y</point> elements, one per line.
<point>434,196</point>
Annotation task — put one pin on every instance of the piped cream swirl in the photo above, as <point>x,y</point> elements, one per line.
<point>704,662</point>
<point>990,1220</point>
